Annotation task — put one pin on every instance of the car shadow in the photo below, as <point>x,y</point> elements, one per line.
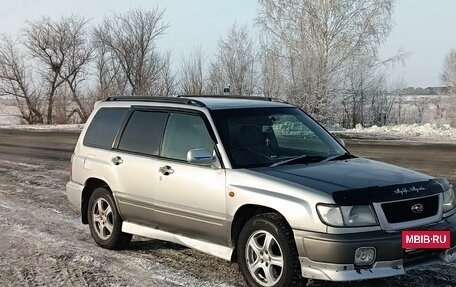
<point>153,244</point>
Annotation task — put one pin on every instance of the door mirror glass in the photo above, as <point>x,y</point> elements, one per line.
<point>200,156</point>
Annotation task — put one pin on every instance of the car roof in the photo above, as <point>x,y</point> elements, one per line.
<point>210,102</point>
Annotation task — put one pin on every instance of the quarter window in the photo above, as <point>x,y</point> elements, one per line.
<point>143,132</point>
<point>183,133</point>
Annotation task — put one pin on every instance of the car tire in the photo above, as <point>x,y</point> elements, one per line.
<point>267,253</point>
<point>105,222</point>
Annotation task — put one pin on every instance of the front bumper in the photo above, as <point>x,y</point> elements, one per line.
<point>331,256</point>
<point>74,193</point>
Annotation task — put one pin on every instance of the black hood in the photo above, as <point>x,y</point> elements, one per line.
<point>357,180</point>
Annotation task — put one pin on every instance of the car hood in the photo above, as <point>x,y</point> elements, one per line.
<point>357,180</point>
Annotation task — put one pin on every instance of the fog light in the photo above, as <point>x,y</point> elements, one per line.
<point>365,256</point>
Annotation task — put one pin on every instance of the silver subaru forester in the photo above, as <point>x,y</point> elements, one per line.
<point>255,181</point>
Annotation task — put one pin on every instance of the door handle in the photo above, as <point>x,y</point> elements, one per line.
<point>117,160</point>
<point>166,170</point>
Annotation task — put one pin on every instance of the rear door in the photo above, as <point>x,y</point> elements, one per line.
<point>189,199</point>
<point>134,165</point>
<point>92,157</point>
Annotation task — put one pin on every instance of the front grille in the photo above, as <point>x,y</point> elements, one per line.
<point>401,211</point>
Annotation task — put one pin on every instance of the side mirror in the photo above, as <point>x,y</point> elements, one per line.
<point>341,141</point>
<point>200,156</point>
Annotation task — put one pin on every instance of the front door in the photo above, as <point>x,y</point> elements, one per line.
<point>189,198</point>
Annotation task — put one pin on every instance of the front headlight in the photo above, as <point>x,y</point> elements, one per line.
<point>449,200</point>
<point>330,215</point>
<point>347,216</point>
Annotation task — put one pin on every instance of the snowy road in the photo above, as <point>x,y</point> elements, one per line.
<point>437,159</point>
<point>43,243</point>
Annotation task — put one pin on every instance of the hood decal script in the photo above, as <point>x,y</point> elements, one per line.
<point>407,190</point>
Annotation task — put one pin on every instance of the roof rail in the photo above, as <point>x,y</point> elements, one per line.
<point>174,100</point>
<point>258,98</point>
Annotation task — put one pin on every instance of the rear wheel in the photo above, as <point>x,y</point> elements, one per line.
<point>105,222</point>
<point>267,253</point>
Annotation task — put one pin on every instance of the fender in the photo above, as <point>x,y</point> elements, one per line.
<point>294,202</point>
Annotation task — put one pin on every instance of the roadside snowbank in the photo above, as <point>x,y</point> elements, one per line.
<point>70,127</point>
<point>414,131</point>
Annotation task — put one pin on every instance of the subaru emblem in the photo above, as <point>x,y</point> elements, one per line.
<point>417,208</point>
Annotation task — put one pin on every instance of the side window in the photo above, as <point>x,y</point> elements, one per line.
<point>143,132</point>
<point>183,133</point>
<point>104,127</point>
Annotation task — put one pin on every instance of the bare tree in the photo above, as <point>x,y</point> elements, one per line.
<point>272,80</point>
<point>165,84</point>
<point>107,71</point>
<point>421,105</point>
<point>43,43</point>
<point>437,102</point>
<point>192,73</point>
<point>216,80</point>
<point>318,37</point>
<point>399,107</point>
<point>62,54</point>
<point>235,62</point>
<point>74,70</point>
<point>366,77</point>
<point>448,78</point>
<point>131,41</point>
<point>361,81</point>
<point>50,79</point>
<point>16,79</point>
<point>381,107</point>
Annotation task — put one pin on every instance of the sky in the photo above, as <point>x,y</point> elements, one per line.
<point>422,28</point>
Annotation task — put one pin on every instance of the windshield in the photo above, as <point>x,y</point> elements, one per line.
<point>256,137</point>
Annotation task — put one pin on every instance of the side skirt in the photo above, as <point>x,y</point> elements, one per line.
<point>217,250</point>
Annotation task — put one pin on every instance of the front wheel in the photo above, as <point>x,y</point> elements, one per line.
<point>105,222</point>
<point>267,252</point>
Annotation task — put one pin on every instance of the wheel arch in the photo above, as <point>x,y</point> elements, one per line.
<point>90,185</point>
<point>244,214</point>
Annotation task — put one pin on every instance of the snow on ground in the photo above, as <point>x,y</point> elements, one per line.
<point>426,132</point>
<point>44,243</point>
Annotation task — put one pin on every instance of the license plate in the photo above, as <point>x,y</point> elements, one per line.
<point>426,239</point>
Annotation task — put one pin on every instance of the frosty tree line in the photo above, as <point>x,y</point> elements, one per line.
<point>320,55</point>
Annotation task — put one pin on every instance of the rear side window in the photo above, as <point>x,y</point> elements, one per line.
<point>143,132</point>
<point>104,127</point>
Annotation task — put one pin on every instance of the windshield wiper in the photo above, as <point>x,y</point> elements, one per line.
<point>299,159</point>
<point>340,157</point>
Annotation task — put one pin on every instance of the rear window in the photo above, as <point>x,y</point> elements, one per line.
<point>143,132</point>
<point>104,127</point>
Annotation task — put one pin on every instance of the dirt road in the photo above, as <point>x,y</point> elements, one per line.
<point>43,243</point>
